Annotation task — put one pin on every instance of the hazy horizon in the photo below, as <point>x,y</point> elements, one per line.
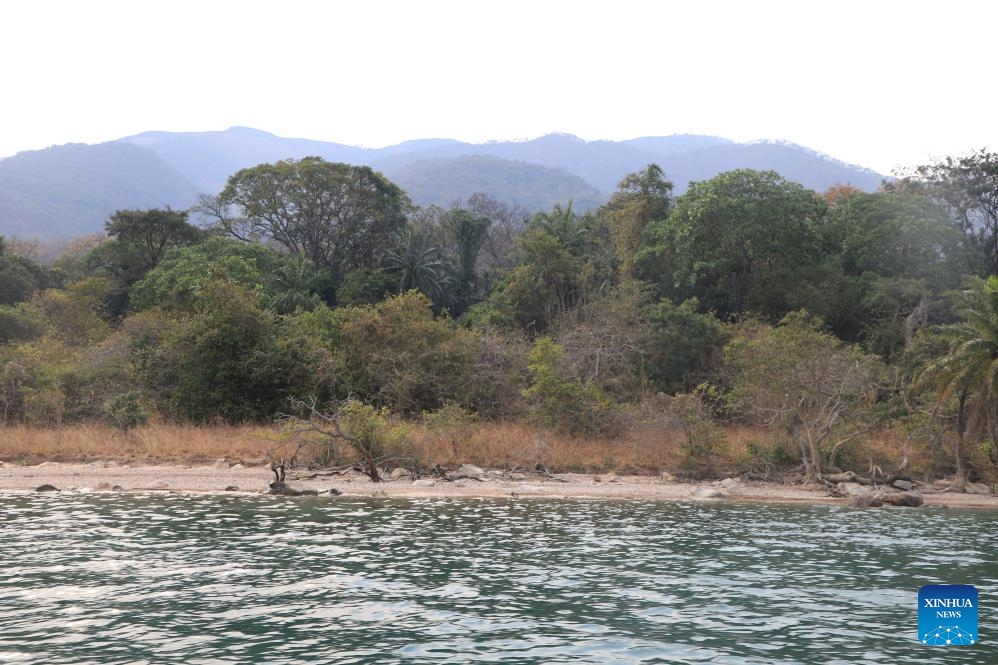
<point>878,85</point>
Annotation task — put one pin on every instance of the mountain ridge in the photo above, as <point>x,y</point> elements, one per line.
<point>42,193</point>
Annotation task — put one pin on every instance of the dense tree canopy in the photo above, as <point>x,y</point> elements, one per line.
<point>967,187</point>
<point>340,217</point>
<point>138,241</point>
<point>20,276</point>
<point>744,241</point>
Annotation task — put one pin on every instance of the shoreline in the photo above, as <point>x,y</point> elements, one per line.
<point>221,478</point>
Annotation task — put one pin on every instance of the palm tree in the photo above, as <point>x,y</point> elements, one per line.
<point>562,223</point>
<point>969,371</point>
<point>295,281</point>
<point>419,267</point>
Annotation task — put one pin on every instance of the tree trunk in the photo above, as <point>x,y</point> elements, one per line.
<point>961,425</point>
<point>812,459</point>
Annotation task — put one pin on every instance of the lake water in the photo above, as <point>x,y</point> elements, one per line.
<point>113,578</point>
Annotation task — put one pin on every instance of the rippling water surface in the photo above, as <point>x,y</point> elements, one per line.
<point>88,578</point>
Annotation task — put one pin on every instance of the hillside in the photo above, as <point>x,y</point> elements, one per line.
<point>70,190</point>
<point>207,159</point>
<point>529,186</point>
<point>794,162</point>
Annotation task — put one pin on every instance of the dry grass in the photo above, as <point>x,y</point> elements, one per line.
<point>648,447</point>
<point>510,445</point>
<point>153,443</point>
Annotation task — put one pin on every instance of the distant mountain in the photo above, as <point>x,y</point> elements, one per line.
<point>677,143</point>
<point>447,179</point>
<point>71,190</point>
<point>793,162</point>
<point>208,158</point>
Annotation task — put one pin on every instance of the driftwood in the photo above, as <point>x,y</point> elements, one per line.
<point>279,470</point>
<point>877,478</point>
<point>541,469</point>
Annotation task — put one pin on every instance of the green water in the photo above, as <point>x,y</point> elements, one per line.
<point>87,578</point>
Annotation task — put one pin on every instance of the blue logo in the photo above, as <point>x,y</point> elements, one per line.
<point>947,614</point>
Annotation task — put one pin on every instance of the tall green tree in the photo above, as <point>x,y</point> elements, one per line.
<point>641,199</point>
<point>743,241</point>
<point>968,188</point>
<point>968,373</point>
<point>139,240</point>
<point>566,259</point>
<point>465,233</point>
<point>891,256</point>
<point>340,217</point>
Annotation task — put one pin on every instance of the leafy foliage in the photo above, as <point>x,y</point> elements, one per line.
<point>562,402</point>
<point>126,412</point>
<point>805,381</point>
<point>339,217</point>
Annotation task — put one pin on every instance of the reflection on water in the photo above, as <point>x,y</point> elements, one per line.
<point>91,578</point>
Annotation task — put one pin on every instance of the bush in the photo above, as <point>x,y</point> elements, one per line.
<point>126,411</point>
<point>397,354</point>
<point>450,424</point>
<point>563,403</point>
<point>703,440</point>
<point>347,427</point>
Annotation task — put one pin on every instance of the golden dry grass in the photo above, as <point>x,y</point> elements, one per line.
<point>644,448</point>
<point>153,443</point>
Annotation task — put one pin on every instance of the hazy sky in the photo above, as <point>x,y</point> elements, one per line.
<point>875,82</point>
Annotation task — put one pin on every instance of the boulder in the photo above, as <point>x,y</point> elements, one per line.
<point>865,501</point>
<point>849,490</point>
<point>332,491</point>
<point>46,488</point>
<point>117,488</point>
<point>903,485</point>
<point>400,473</point>
<point>905,499</point>
<point>236,467</point>
<point>467,471</point>
<point>708,493</point>
<point>731,485</point>
<point>424,482</point>
<point>976,488</point>
<point>284,489</point>
<point>231,488</point>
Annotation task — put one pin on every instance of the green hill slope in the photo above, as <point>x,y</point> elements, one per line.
<point>70,190</point>
<point>534,188</point>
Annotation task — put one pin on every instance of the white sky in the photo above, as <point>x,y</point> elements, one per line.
<point>874,82</point>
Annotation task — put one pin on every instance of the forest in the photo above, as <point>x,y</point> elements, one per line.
<point>748,326</point>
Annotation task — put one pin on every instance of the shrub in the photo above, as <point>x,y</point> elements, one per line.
<point>126,411</point>
<point>560,402</point>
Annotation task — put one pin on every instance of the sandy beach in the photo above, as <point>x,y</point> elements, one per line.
<point>223,477</point>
